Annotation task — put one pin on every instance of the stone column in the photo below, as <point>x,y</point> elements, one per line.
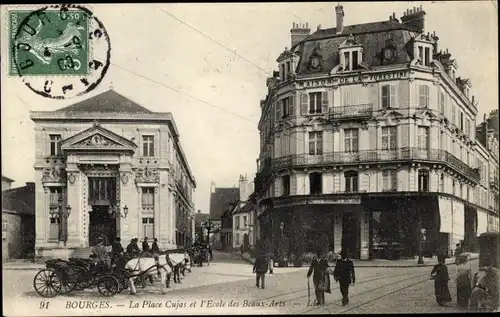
<point>364,235</point>
<point>74,199</point>
<point>42,215</point>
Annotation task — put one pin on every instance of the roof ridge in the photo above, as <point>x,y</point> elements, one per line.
<point>108,101</point>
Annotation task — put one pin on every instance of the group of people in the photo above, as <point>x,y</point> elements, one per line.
<point>343,273</point>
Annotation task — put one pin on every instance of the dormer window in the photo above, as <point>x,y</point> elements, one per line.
<point>287,61</point>
<point>424,49</point>
<point>351,54</point>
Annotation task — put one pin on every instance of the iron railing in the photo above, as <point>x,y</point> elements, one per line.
<point>373,156</point>
<point>353,111</point>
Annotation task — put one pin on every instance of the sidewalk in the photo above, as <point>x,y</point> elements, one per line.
<point>22,265</point>
<point>385,263</point>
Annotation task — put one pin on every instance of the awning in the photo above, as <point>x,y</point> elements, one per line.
<point>482,222</point>
<point>458,218</point>
<point>445,215</point>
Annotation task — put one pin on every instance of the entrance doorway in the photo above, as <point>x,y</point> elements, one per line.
<point>101,224</point>
<point>350,235</point>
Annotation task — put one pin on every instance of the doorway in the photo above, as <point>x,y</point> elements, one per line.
<point>101,224</point>
<point>350,235</point>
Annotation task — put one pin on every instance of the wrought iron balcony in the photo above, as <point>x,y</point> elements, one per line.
<point>353,111</point>
<point>374,156</point>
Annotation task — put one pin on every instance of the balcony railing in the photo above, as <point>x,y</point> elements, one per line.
<point>372,156</point>
<point>353,111</point>
<point>494,182</point>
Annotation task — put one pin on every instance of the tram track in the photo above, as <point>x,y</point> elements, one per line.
<point>312,288</point>
<point>378,288</point>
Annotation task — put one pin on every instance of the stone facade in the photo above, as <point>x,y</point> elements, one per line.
<point>371,111</point>
<point>107,152</point>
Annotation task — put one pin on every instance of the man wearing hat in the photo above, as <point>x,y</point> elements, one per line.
<point>101,254</point>
<point>132,248</point>
<point>116,250</point>
<point>145,245</point>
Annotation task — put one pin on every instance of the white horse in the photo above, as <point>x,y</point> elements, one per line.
<point>142,267</point>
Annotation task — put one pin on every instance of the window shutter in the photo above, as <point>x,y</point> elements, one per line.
<point>303,103</point>
<point>394,180</point>
<point>421,95</point>
<point>324,102</point>
<point>385,96</point>
<point>427,96</point>
<point>393,96</point>
<point>291,105</point>
<point>385,181</point>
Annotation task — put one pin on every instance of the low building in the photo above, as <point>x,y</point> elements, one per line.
<point>6,183</point>
<point>243,234</point>
<point>222,202</point>
<point>18,222</point>
<point>108,167</point>
<point>200,219</point>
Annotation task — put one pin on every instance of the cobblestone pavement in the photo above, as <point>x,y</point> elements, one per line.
<point>227,286</point>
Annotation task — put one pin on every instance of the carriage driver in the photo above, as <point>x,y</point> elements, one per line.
<point>101,254</point>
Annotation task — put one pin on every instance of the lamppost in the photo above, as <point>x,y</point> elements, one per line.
<point>113,210</point>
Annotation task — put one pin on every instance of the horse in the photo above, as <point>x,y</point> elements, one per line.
<point>485,294</point>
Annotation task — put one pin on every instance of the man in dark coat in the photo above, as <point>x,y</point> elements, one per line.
<point>321,280</point>
<point>260,267</point>
<point>132,249</point>
<point>145,245</point>
<point>116,251</point>
<point>154,246</point>
<point>344,274</point>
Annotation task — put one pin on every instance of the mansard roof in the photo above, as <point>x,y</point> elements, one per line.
<point>109,101</point>
<point>372,36</point>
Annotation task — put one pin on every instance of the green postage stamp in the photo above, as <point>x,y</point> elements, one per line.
<point>48,42</point>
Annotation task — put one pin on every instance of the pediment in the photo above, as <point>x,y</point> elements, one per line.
<point>350,42</point>
<point>425,113</point>
<point>97,138</point>
<point>390,113</point>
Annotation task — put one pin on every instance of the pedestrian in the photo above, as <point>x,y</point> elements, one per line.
<point>101,255</point>
<point>321,280</point>
<point>145,245</point>
<point>117,253</point>
<point>271,264</point>
<point>344,274</point>
<point>210,251</point>
<point>132,249</point>
<point>440,276</point>
<point>260,267</point>
<point>458,251</point>
<point>154,246</point>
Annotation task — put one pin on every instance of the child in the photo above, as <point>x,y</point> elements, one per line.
<point>440,276</point>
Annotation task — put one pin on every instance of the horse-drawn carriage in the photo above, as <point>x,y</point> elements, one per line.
<point>62,277</point>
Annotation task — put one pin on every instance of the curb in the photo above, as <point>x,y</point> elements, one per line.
<point>384,266</point>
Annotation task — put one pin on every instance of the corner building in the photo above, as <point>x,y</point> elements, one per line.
<point>108,167</point>
<point>368,144</point>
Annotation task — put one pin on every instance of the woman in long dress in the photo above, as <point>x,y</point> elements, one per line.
<point>440,276</point>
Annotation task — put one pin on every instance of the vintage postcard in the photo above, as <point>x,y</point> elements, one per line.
<point>250,158</point>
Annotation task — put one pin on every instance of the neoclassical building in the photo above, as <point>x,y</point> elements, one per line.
<point>108,167</point>
<point>368,143</point>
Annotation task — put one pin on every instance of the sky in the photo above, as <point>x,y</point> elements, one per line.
<point>159,45</point>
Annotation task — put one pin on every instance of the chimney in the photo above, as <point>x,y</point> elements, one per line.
<point>414,19</point>
<point>339,11</point>
<point>243,184</point>
<point>299,32</point>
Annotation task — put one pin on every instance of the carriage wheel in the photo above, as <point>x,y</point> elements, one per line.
<point>122,277</point>
<point>83,279</point>
<point>108,285</point>
<point>68,280</point>
<point>46,283</point>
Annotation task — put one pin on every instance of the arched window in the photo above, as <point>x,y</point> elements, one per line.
<point>316,183</point>
<point>423,180</point>
<point>351,181</point>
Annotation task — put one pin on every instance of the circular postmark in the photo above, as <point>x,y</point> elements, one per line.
<point>59,51</point>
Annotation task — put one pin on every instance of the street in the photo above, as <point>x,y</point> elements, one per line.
<point>227,286</point>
